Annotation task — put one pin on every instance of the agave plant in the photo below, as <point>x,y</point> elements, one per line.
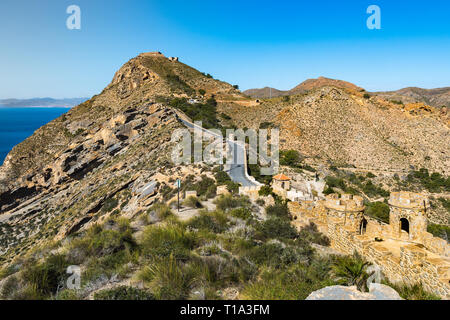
<point>351,271</point>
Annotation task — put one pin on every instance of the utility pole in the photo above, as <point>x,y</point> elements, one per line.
<point>178,184</point>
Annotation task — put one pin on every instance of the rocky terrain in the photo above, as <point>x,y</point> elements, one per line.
<point>437,98</point>
<point>95,188</point>
<point>57,180</point>
<point>347,128</point>
<point>434,97</point>
<point>303,87</point>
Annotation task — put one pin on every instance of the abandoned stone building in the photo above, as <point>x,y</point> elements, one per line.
<point>403,249</point>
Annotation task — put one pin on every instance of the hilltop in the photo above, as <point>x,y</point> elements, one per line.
<point>303,87</point>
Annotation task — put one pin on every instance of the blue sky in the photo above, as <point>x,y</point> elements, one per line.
<point>249,43</point>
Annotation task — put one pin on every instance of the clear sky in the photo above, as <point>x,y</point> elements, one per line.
<point>247,42</point>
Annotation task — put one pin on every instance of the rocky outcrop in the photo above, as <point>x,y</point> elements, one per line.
<point>376,292</point>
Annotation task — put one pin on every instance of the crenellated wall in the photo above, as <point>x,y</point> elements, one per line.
<point>412,256</point>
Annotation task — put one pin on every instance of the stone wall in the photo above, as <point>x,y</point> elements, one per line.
<point>415,257</point>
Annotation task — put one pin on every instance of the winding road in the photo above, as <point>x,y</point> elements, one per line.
<point>236,170</point>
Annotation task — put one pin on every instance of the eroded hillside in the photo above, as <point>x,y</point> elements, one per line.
<point>340,127</point>
<point>59,179</point>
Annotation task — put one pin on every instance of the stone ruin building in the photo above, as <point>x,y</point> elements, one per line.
<point>403,249</point>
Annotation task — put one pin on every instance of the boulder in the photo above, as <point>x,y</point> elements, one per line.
<point>377,292</point>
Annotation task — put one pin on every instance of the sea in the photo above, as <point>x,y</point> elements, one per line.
<point>17,124</point>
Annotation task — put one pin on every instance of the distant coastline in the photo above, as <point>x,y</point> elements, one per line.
<point>21,107</point>
<point>41,103</point>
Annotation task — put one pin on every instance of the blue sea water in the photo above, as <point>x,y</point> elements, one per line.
<point>17,124</point>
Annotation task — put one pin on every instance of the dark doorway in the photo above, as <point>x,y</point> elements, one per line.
<point>363,226</point>
<point>404,224</point>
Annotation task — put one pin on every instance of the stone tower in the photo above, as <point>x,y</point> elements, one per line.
<point>408,215</point>
<point>346,210</point>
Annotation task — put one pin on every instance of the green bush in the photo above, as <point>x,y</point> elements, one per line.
<point>276,228</point>
<point>109,265</point>
<point>290,158</point>
<point>10,286</point>
<point>265,191</point>
<point>334,182</point>
<point>412,292</point>
<point>205,112</point>
<point>242,213</point>
<point>294,283</point>
<point>226,202</point>
<point>123,293</point>
<point>433,183</point>
<point>378,210</point>
<point>445,203</point>
<point>6,271</point>
<point>310,233</point>
<point>48,276</point>
<point>203,185</point>
<point>221,177</point>
<point>162,241</point>
<point>439,230</point>
<point>275,255</point>
<point>278,210</point>
<point>351,271</point>
<point>265,125</point>
<point>372,190</point>
<point>210,221</point>
<point>162,210</point>
<point>169,279</point>
<point>255,171</point>
<point>192,202</point>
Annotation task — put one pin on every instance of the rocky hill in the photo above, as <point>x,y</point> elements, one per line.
<point>60,178</point>
<point>265,93</point>
<point>320,82</point>
<point>343,127</point>
<point>434,97</point>
<point>303,87</point>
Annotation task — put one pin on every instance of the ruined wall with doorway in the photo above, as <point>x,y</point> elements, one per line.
<point>405,253</point>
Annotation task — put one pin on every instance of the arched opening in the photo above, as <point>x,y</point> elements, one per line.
<point>363,226</point>
<point>404,224</point>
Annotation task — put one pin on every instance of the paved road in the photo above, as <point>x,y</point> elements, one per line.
<point>236,171</point>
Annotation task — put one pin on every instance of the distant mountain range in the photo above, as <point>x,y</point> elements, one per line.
<point>434,97</point>
<point>41,102</point>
